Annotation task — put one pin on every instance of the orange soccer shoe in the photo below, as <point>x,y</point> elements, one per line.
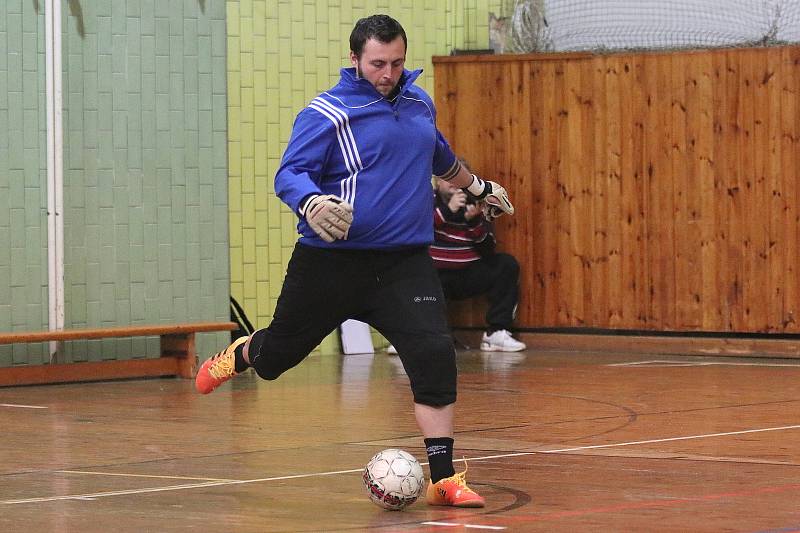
<point>453,491</point>
<point>217,370</point>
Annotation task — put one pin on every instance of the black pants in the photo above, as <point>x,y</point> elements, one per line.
<point>497,276</point>
<point>396,292</point>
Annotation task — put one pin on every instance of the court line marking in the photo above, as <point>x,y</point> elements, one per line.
<point>665,362</point>
<point>468,526</point>
<point>351,471</point>
<point>20,406</point>
<point>87,472</point>
<point>633,443</point>
<point>176,487</point>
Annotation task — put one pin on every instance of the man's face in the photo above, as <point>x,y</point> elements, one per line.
<point>381,64</point>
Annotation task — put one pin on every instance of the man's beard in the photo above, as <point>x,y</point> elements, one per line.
<point>390,94</point>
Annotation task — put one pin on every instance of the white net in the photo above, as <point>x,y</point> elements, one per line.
<point>572,25</point>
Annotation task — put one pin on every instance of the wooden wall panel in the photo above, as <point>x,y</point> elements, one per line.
<point>654,191</point>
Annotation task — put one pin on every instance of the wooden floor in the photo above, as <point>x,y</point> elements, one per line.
<point>555,442</point>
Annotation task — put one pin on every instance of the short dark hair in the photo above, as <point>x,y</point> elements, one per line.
<point>381,27</point>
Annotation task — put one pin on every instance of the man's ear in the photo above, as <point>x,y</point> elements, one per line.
<point>353,58</point>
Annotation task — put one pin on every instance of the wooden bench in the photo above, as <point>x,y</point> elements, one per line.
<point>178,354</point>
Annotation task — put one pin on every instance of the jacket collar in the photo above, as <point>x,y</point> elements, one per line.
<point>349,77</point>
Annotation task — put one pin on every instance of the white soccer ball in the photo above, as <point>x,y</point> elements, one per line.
<point>393,479</point>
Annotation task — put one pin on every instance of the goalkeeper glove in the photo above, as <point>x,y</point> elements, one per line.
<point>329,216</point>
<point>494,197</point>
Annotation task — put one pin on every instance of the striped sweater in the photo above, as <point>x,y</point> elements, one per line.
<point>457,241</point>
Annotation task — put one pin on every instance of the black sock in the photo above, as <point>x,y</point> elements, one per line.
<point>239,365</point>
<point>253,351</point>
<point>440,457</point>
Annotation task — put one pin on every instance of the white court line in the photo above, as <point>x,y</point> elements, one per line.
<point>453,524</point>
<point>651,362</point>
<point>633,443</point>
<point>336,472</point>
<point>89,473</point>
<point>19,406</point>
<point>176,487</point>
<point>700,363</point>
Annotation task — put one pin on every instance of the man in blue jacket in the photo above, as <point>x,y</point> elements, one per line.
<point>357,172</point>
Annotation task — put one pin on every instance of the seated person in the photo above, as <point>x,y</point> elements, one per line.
<point>464,255</point>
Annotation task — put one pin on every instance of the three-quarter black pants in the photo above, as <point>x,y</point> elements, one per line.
<point>396,292</point>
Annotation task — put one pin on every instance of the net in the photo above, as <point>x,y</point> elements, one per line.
<point>597,25</point>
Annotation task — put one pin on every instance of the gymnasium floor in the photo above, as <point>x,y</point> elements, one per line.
<point>555,442</point>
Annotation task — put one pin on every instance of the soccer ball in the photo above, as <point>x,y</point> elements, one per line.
<point>393,479</point>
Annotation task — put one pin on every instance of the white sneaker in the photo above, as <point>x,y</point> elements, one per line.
<point>391,350</point>
<point>501,341</point>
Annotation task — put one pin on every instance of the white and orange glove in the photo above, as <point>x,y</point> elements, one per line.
<point>493,195</point>
<point>328,215</point>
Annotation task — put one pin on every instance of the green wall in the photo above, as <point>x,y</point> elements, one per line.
<point>23,175</point>
<point>173,126</point>
<point>145,171</point>
<point>281,54</point>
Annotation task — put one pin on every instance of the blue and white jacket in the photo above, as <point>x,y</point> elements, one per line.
<point>376,154</point>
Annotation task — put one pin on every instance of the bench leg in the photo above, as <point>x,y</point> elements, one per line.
<point>181,347</point>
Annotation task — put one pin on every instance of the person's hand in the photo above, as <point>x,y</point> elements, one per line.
<point>496,201</point>
<point>472,211</point>
<point>329,216</point>
<point>457,201</point>
<point>494,196</point>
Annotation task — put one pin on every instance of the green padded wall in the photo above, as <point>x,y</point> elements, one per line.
<point>146,233</point>
<point>145,171</point>
<point>146,155</point>
<point>23,177</point>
